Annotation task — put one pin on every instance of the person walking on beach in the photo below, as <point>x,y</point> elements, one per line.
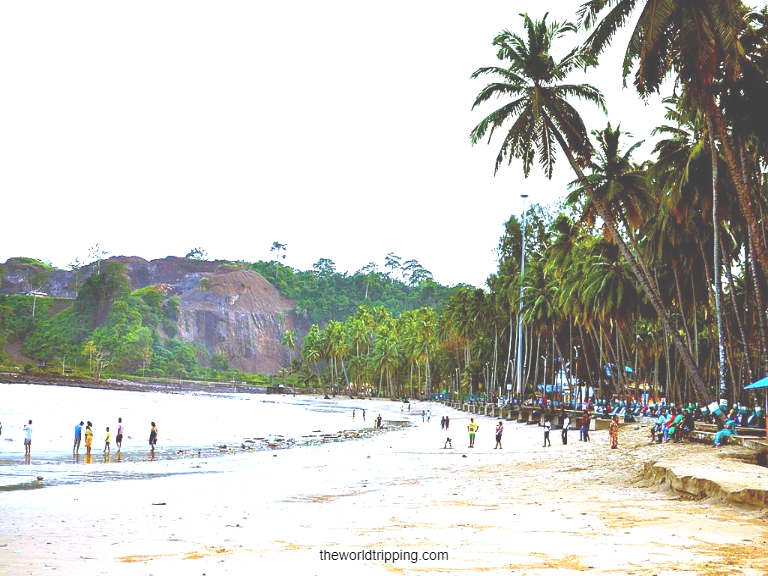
<point>547,428</point>
<point>106,441</point>
<point>423,415</point>
<point>153,437</point>
<point>363,415</point>
<point>447,422</point>
<point>499,432</point>
<point>88,439</point>
<point>119,437</point>
<point>566,425</point>
<point>584,426</point>
<point>613,431</point>
<point>353,414</point>
<point>28,439</point>
<point>78,437</point>
<point>378,422</point>
<point>442,423</point>
<point>473,428</point>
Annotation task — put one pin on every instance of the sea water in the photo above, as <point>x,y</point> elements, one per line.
<point>185,422</point>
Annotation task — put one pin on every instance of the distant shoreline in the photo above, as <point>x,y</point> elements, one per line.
<point>131,385</point>
<point>162,387</point>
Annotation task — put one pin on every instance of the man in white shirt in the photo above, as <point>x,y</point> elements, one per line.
<point>547,428</point>
<point>566,425</point>
<point>28,438</point>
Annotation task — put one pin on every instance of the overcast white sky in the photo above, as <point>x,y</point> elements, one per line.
<point>339,128</point>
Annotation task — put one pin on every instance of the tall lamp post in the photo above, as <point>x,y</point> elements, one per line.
<point>520,311</point>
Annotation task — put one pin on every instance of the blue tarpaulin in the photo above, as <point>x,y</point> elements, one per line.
<point>759,384</point>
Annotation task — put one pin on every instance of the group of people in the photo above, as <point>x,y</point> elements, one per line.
<point>584,424</point>
<point>672,424</point>
<point>107,439</point>
<point>86,429</point>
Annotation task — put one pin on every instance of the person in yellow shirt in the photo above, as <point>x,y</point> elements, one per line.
<point>88,439</point>
<point>106,444</point>
<point>473,427</point>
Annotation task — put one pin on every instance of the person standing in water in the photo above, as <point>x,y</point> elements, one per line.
<point>28,439</point>
<point>363,415</point>
<point>106,442</point>
<point>153,437</point>
<point>119,437</point>
<point>353,414</point>
<point>88,439</point>
<point>78,437</point>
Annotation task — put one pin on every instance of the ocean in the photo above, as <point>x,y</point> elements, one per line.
<point>186,423</point>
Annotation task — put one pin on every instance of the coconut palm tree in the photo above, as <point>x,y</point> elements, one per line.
<point>542,118</point>
<point>700,43</point>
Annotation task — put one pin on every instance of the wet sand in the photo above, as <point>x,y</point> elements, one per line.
<point>523,510</point>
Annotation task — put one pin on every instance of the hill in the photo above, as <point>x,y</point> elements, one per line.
<point>180,316</point>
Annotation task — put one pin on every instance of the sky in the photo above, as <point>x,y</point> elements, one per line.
<point>338,128</point>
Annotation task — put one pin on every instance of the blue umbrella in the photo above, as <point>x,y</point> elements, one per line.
<point>756,386</point>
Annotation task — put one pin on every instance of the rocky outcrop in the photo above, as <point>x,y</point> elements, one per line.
<point>240,315</point>
<point>224,307</point>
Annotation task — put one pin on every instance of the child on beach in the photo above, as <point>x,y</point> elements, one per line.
<point>106,442</point>
<point>448,443</point>
<point>547,428</point>
<point>499,432</point>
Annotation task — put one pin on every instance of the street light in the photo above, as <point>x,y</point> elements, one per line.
<point>520,309</point>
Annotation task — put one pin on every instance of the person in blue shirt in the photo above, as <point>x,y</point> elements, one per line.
<point>78,435</point>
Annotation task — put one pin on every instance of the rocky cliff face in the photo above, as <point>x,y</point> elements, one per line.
<point>228,310</point>
<point>241,315</point>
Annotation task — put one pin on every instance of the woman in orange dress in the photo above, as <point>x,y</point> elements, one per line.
<point>613,432</point>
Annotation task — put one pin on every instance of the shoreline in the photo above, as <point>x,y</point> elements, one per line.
<point>522,510</point>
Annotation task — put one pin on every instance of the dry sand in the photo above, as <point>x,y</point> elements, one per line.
<point>521,510</point>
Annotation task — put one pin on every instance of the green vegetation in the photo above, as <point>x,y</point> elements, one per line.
<point>322,294</point>
<point>23,261</point>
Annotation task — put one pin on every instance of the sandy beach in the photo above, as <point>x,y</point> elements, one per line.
<point>523,509</point>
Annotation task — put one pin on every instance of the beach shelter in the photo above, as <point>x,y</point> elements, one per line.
<point>757,386</point>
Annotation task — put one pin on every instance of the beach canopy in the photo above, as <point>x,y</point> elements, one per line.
<point>759,384</point>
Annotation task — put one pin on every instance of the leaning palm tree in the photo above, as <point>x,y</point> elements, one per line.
<point>542,118</point>
<point>700,43</point>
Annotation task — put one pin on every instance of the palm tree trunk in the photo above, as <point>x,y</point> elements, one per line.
<point>702,393</point>
<point>739,324</point>
<point>716,266</point>
<point>760,310</point>
<point>680,303</point>
<point>739,181</point>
